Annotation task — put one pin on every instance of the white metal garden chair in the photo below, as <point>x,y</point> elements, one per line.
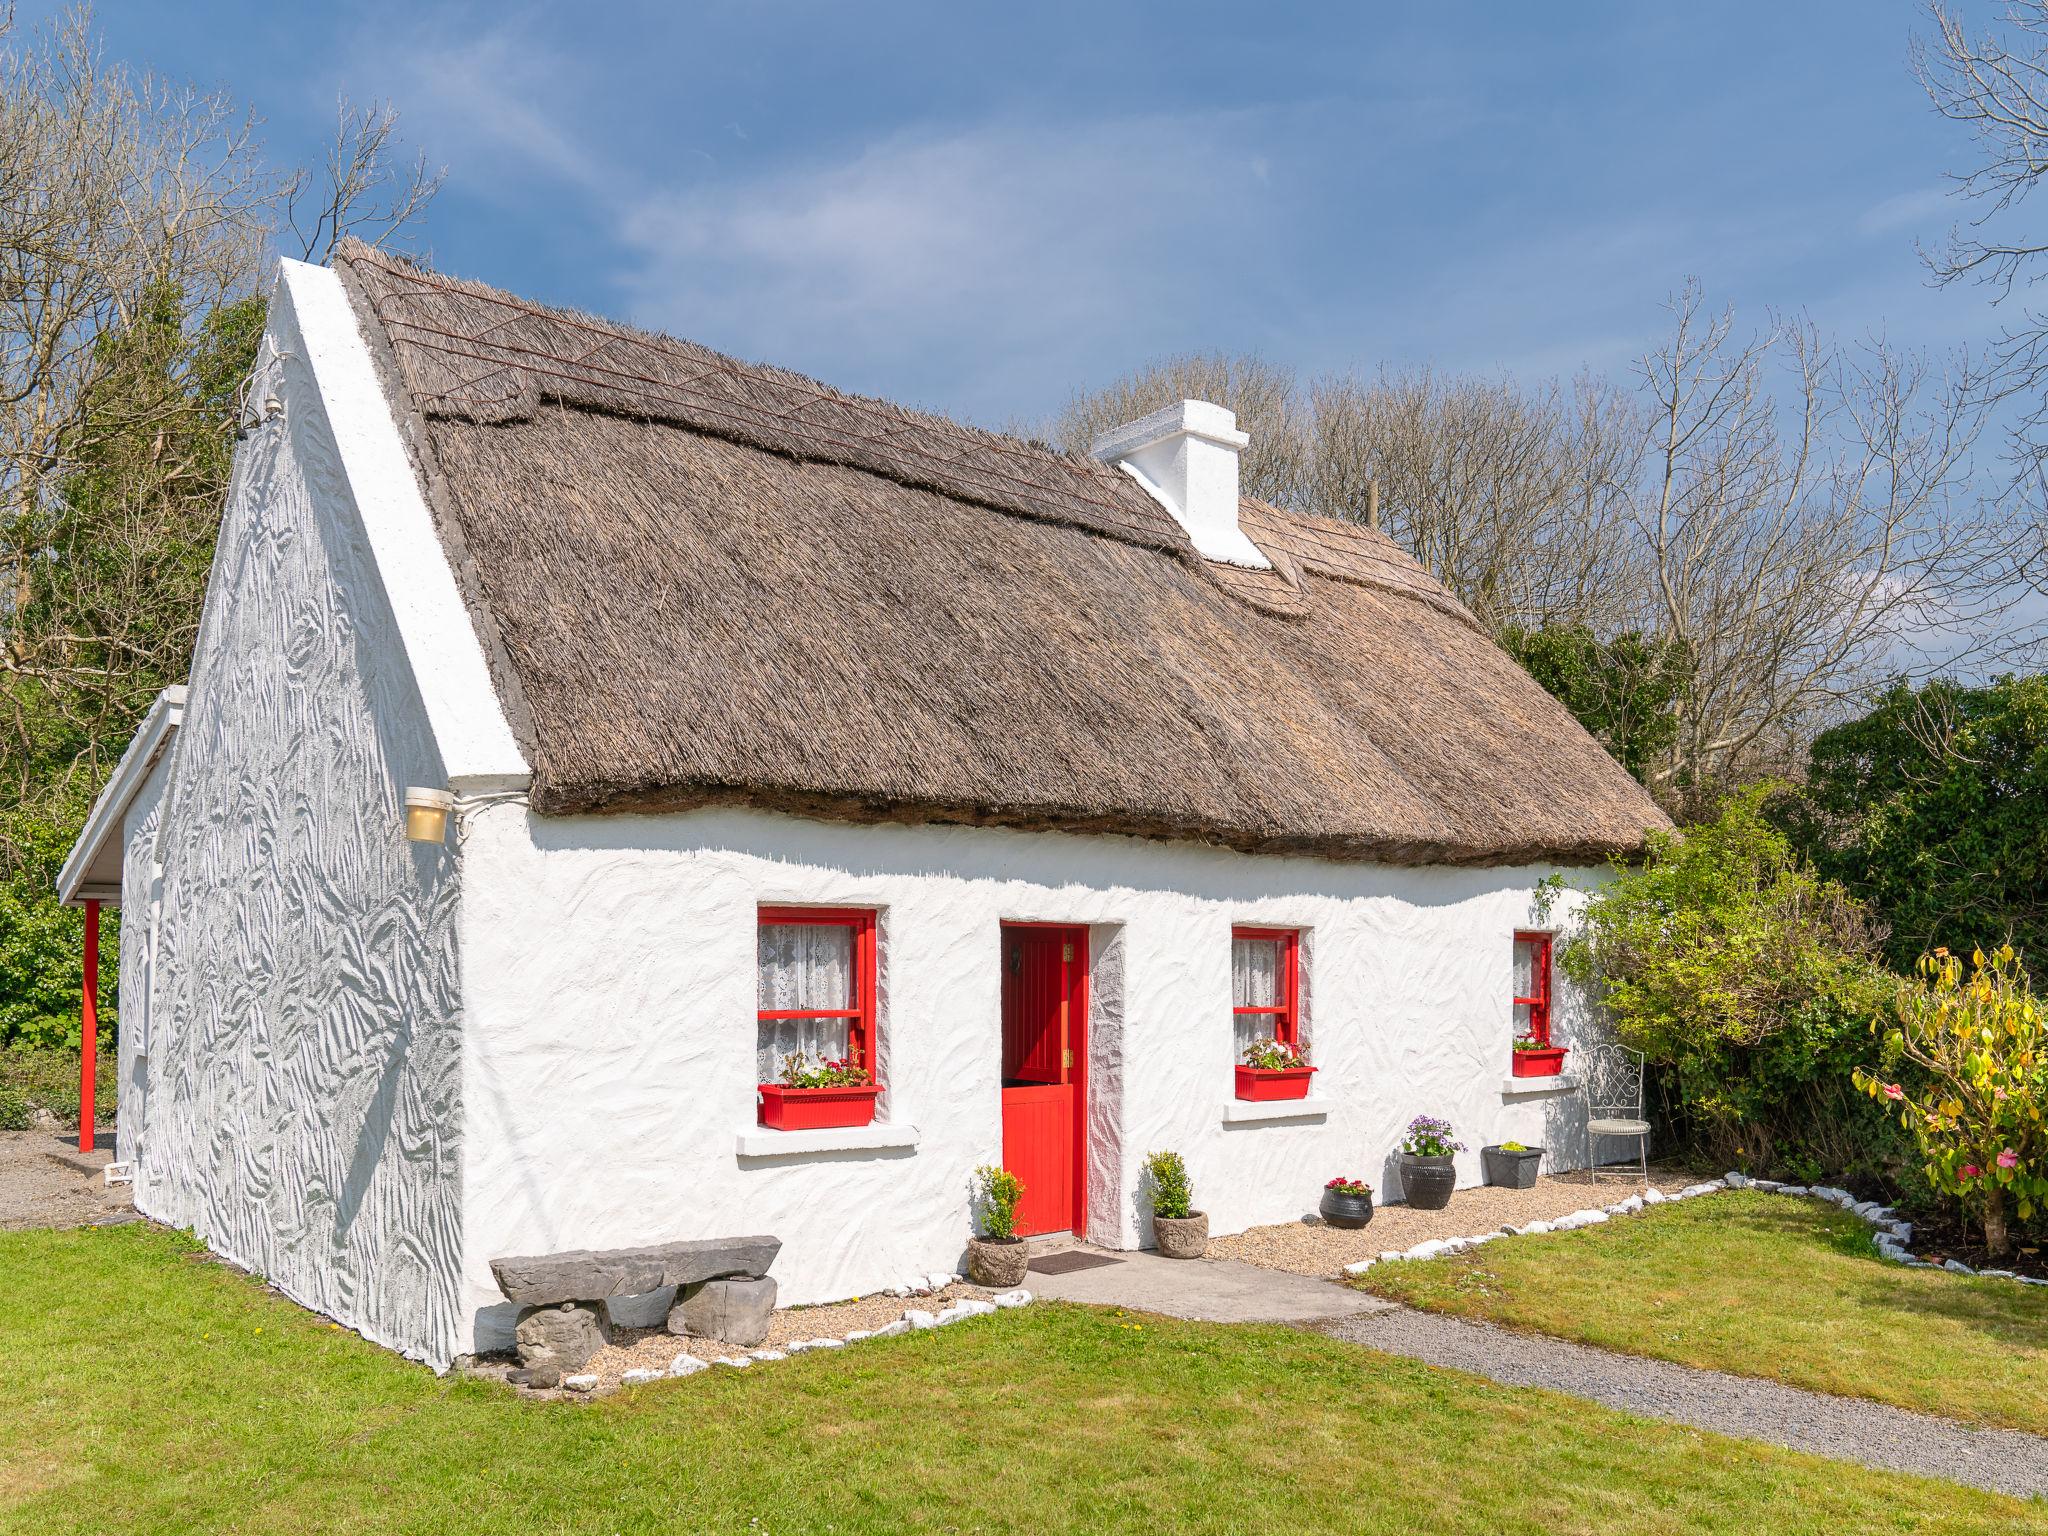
<point>1614,1104</point>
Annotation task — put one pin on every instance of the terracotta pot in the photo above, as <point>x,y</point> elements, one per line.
<point>1350,1211</point>
<point>1427,1182</point>
<point>997,1263</point>
<point>1181,1237</point>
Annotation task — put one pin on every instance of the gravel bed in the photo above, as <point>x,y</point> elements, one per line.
<point>652,1349</point>
<point>2003,1460</point>
<point>1309,1247</point>
<point>43,1182</point>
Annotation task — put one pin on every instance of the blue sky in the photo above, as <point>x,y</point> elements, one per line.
<point>979,208</point>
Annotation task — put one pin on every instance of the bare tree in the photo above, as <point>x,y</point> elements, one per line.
<point>1996,85</point>
<point>1803,546</point>
<point>365,190</point>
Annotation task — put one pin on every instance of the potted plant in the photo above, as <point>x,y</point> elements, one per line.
<point>814,1094</point>
<point>1511,1165</point>
<point>998,1257</point>
<point>1273,1069</point>
<point>1538,1058</point>
<point>1427,1173</point>
<point>1178,1229</point>
<point>1347,1202</point>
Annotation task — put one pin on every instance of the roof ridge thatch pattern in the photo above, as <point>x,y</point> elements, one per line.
<point>740,587</point>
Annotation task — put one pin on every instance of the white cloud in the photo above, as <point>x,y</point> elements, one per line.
<point>1908,210</point>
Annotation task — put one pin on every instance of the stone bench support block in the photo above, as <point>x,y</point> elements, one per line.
<point>587,1275</point>
<point>737,1311</point>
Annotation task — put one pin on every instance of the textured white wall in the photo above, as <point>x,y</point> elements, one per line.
<point>608,969</point>
<point>304,1060</point>
<point>137,917</point>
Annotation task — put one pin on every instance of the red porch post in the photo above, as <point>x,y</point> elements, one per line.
<point>89,1026</point>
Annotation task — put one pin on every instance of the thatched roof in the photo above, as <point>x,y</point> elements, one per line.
<point>705,581</point>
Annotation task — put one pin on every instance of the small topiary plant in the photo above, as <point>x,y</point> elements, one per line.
<point>1173,1192</point>
<point>997,1192</point>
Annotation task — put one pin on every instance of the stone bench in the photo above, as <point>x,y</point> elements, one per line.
<point>722,1291</point>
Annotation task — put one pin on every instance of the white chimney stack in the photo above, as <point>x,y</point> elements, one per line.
<point>1185,457</point>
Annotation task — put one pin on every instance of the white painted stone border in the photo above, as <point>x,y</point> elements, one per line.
<point>1892,1233</point>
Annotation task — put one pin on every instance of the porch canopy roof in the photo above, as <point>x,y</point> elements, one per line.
<point>702,581</point>
<point>92,870</point>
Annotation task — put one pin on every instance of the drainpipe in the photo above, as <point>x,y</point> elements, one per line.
<point>89,1027</point>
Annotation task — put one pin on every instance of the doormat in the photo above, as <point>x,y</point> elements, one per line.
<point>1066,1263</point>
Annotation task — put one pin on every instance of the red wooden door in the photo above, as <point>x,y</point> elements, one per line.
<point>1045,1073</point>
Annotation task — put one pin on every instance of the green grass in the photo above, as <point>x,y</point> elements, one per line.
<point>149,1390</point>
<point>1761,1285</point>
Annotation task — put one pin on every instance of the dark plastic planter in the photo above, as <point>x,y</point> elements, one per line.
<point>1352,1211</point>
<point>1511,1170</point>
<point>1427,1182</point>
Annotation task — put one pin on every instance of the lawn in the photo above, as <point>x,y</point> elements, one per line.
<point>148,1389</point>
<point>1761,1285</point>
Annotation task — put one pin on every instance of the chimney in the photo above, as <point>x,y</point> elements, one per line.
<point>1185,457</point>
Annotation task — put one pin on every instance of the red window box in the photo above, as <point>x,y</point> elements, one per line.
<point>1545,1062</point>
<point>816,1109</point>
<point>1264,1084</point>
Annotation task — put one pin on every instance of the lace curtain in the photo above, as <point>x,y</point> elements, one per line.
<point>1527,983</point>
<point>1254,983</point>
<point>802,965</point>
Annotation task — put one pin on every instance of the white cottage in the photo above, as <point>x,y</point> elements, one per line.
<point>771,717</point>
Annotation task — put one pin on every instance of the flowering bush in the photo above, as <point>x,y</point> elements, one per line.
<point>1981,1119</point>
<point>1274,1055</point>
<point>1344,1184</point>
<point>1531,1043</point>
<point>997,1192</point>
<point>802,1070</point>
<point>1173,1193</point>
<point>1430,1137</point>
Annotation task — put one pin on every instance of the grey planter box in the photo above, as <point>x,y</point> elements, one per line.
<point>1511,1170</point>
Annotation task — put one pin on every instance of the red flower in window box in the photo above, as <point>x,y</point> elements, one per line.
<point>819,1095</point>
<point>1539,1058</point>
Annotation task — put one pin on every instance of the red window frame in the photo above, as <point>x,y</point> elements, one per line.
<point>1539,970</point>
<point>1286,1014</point>
<point>860,1018</point>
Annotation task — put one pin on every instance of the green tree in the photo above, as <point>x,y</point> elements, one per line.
<point>1625,691</point>
<point>1750,984</point>
<point>1933,810</point>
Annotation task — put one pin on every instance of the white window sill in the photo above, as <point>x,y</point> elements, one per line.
<point>759,1141</point>
<point>1564,1082</point>
<point>1247,1112</point>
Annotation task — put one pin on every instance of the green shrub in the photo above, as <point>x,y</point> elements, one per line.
<point>16,1113</point>
<point>996,1193</point>
<point>46,1077</point>
<point>1981,1119</point>
<point>1749,984</point>
<point>1930,810</point>
<point>1166,1179</point>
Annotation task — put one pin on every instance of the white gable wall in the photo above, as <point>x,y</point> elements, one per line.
<point>137,917</point>
<point>304,1059</point>
<point>609,983</point>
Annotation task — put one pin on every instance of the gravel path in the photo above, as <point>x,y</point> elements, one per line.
<point>2004,1460</point>
<point>45,1182</point>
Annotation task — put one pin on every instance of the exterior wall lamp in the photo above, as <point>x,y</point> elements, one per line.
<point>426,814</point>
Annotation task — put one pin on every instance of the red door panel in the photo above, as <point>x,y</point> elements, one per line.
<point>1045,1011</point>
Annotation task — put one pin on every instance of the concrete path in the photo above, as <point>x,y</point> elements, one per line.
<point>1847,1429</point>
<point>1207,1291</point>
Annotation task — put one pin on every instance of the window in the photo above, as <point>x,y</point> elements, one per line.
<point>815,985</point>
<point>1265,985</point>
<point>1532,987</point>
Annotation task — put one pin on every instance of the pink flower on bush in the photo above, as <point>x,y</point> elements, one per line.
<point>2008,1158</point>
<point>1971,1170</point>
<point>1894,1091</point>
